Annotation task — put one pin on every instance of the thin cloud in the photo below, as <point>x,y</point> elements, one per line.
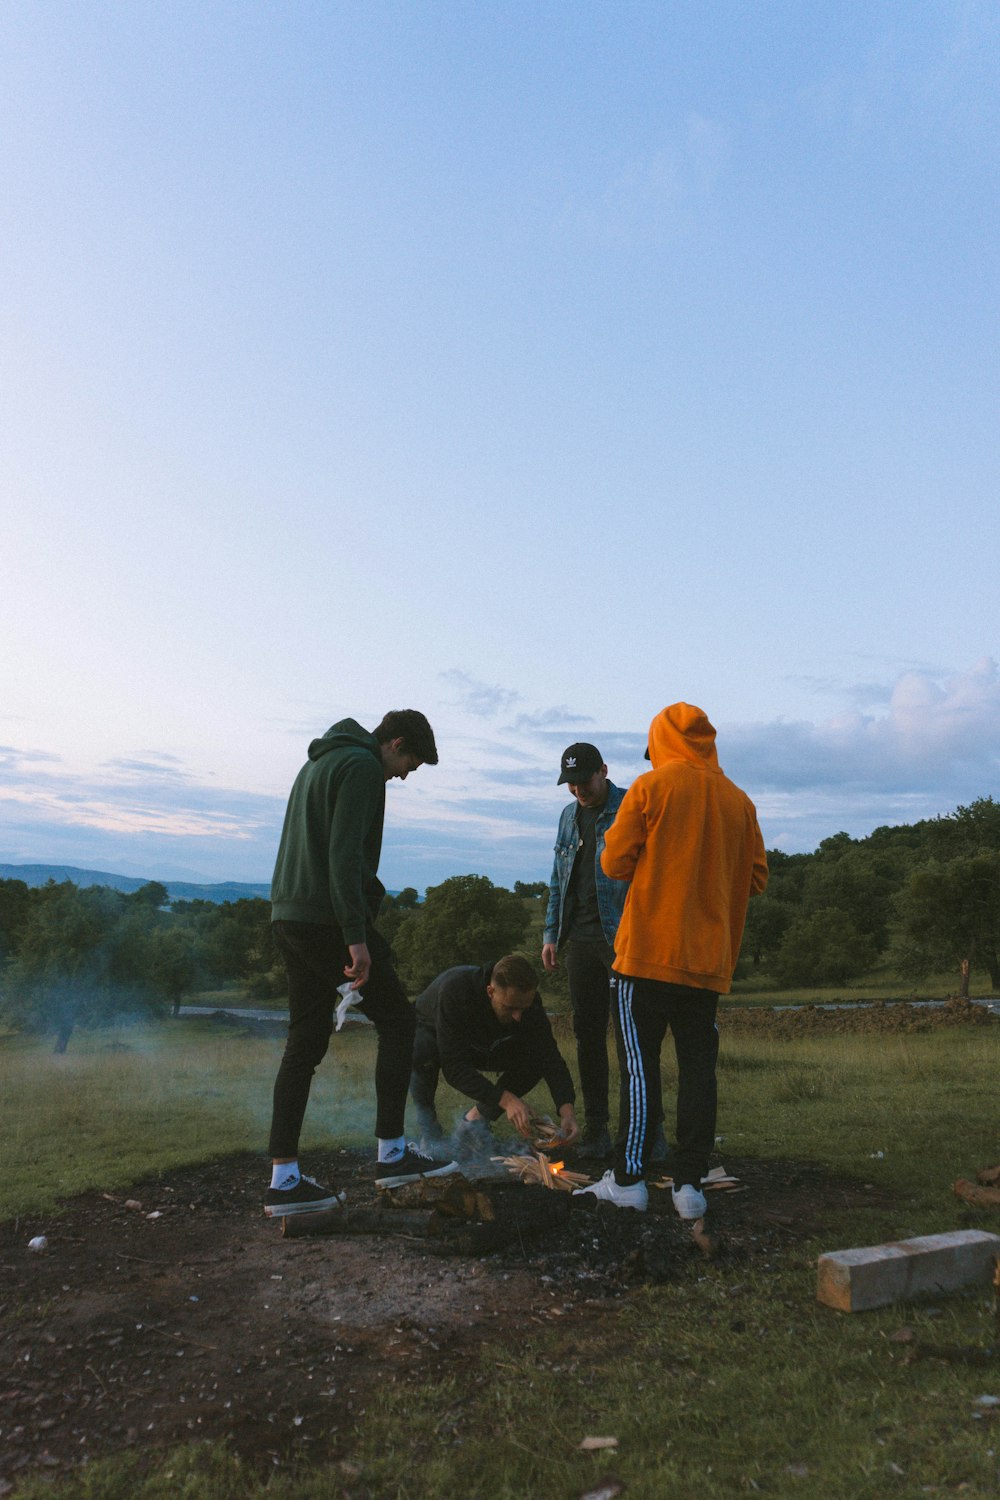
<point>862,694</point>
<point>164,768</point>
<point>483,699</point>
<point>655,194</point>
<point>548,718</point>
<point>14,762</point>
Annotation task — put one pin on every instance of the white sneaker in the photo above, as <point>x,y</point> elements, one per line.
<point>609,1191</point>
<point>689,1202</point>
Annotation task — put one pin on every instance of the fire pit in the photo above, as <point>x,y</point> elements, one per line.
<point>455,1215</point>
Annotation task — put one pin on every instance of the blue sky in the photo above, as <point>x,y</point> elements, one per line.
<point>536,365</point>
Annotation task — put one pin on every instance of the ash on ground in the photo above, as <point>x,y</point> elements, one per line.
<point>172,1310</point>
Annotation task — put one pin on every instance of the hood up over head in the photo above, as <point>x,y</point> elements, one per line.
<point>347,734</point>
<point>682,732</point>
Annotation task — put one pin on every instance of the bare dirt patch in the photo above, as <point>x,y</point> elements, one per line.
<point>883,1016</point>
<point>191,1317</point>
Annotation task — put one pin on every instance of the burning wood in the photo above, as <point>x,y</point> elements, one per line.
<point>537,1168</point>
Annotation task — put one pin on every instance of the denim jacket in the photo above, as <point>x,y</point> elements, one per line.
<point>610,893</point>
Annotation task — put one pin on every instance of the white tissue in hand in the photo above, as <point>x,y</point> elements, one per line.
<point>350,998</point>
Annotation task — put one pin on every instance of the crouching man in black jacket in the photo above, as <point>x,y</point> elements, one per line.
<point>472,1021</point>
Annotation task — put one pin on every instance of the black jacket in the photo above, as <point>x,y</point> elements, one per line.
<point>471,1040</point>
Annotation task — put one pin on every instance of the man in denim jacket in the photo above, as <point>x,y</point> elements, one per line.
<point>583,913</point>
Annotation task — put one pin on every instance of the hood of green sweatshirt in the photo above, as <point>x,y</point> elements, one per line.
<point>345,735</point>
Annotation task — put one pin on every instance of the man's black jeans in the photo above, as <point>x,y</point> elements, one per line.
<point>315,958</point>
<point>588,969</point>
<point>518,1077</point>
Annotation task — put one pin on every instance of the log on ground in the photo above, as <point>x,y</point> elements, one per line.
<point>420,1222</point>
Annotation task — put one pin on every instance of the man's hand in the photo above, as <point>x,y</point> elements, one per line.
<point>568,1127</point>
<point>517,1112</point>
<point>549,959</point>
<point>360,965</point>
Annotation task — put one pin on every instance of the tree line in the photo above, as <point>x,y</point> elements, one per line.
<point>920,898</point>
<point>72,955</point>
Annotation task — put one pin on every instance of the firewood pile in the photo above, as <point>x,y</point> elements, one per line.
<point>984,1192</point>
<point>447,1215</point>
<point>537,1168</point>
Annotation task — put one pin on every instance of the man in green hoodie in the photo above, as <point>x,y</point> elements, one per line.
<point>325,896</point>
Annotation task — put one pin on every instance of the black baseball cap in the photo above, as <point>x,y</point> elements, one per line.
<point>579,762</point>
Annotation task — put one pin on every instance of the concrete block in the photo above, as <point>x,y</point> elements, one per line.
<point>854,1280</point>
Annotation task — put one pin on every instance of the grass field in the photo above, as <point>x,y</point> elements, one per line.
<point>726,1383</point>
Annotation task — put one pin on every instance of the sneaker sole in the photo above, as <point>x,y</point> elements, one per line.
<point>637,1208</point>
<point>281,1210</point>
<point>404,1177</point>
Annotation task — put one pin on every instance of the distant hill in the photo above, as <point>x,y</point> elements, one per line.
<point>179,890</point>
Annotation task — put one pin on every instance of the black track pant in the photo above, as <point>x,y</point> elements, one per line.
<point>315,958</point>
<point>645,1008</point>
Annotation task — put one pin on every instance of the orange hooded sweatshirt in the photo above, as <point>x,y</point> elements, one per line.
<point>687,839</point>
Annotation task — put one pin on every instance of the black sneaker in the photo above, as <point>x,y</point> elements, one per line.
<point>410,1167</point>
<point>658,1151</point>
<point>306,1197</point>
<point>594,1145</point>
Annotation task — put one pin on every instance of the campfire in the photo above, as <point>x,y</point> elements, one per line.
<point>537,1168</point>
<point>453,1215</point>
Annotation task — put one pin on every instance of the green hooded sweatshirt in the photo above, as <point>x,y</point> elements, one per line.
<point>327,864</point>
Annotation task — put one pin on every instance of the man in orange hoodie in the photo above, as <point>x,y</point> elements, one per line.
<point>687,840</point>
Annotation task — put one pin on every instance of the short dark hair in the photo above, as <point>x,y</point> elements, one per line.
<point>410,726</point>
<point>514,972</point>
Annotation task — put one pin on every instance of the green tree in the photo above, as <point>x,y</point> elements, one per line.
<point>153,894</point>
<point>822,947</point>
<point>14,906</point>
<point>854,881</point>
<point>949,913</point>
<point>394,912</point>
<point>464,920</point>
<point>968,830</point>
<point>234,939</point>
<point>768,919</point>
<point>531,888</point>
<point>173,963</point>
<point>82,960</point>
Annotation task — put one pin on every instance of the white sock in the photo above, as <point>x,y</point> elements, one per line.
<point>285,1174</point>
<point>391,1149</point>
